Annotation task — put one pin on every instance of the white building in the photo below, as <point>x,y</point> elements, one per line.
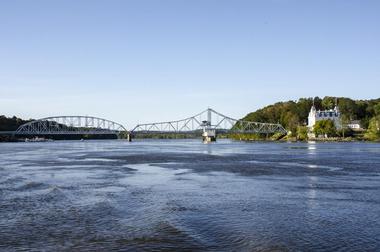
<point>332,114</point>
<point>355,125</point>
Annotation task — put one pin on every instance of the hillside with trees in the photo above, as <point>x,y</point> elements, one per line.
<point>293,114</point>
<point>11,123</point>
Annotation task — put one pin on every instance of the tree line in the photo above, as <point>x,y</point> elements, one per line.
<point>11,123</point>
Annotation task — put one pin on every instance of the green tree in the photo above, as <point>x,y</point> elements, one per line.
<point>345,120</point>
<point>377,109</point>
<point>291,121</point>
<point>373,132</point>
<point>302,133</point>
<point>10,124</point>
<point>328,102</point>
<point>325,127</point>
<point>348,108</point>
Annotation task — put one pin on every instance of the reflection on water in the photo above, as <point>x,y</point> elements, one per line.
<point>312,192</point>
<point>184,195</point>
<point>311,148</point>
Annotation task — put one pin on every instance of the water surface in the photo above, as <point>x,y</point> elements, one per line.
<point>188,196</point>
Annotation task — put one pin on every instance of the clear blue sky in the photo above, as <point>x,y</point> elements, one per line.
<point>141,61</point>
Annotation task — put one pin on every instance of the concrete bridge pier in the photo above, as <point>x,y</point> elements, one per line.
<point>129,137</point>
<point>209,135</point>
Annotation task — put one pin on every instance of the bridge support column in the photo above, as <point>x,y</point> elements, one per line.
<point>209,135</point>
<point>129,137</point>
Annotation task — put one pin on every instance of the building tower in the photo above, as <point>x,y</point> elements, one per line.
<point>312,116</point>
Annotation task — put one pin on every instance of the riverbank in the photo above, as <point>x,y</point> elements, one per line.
<point>9,138</point>
<point>277,138</point>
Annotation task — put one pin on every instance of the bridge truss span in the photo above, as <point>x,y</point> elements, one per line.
<point>208,119</point>
<point>70,125</point>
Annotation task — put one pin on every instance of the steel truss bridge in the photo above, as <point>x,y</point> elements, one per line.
<point>71,125</point>
<point>208,119</point>
<point>88,125</point>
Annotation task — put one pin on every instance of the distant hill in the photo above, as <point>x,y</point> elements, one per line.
<point>10,123</point>
<point>292,114</point>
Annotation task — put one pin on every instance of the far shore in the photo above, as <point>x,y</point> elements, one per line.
<point>282,140</point>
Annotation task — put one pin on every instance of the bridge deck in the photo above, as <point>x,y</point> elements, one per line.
<point>7,132</point>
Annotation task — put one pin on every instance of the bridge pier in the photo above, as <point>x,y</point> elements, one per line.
<point>129,137</point>
<point>209,135</point>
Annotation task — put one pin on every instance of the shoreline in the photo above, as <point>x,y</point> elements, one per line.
<point>283,140</point>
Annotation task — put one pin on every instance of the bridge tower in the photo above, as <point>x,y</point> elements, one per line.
<point>209,133</point>
<point>129,137</point>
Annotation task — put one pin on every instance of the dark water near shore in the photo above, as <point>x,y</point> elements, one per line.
<point>188,196</point>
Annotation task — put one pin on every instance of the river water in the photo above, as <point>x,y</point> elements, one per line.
<point>184,195</point>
